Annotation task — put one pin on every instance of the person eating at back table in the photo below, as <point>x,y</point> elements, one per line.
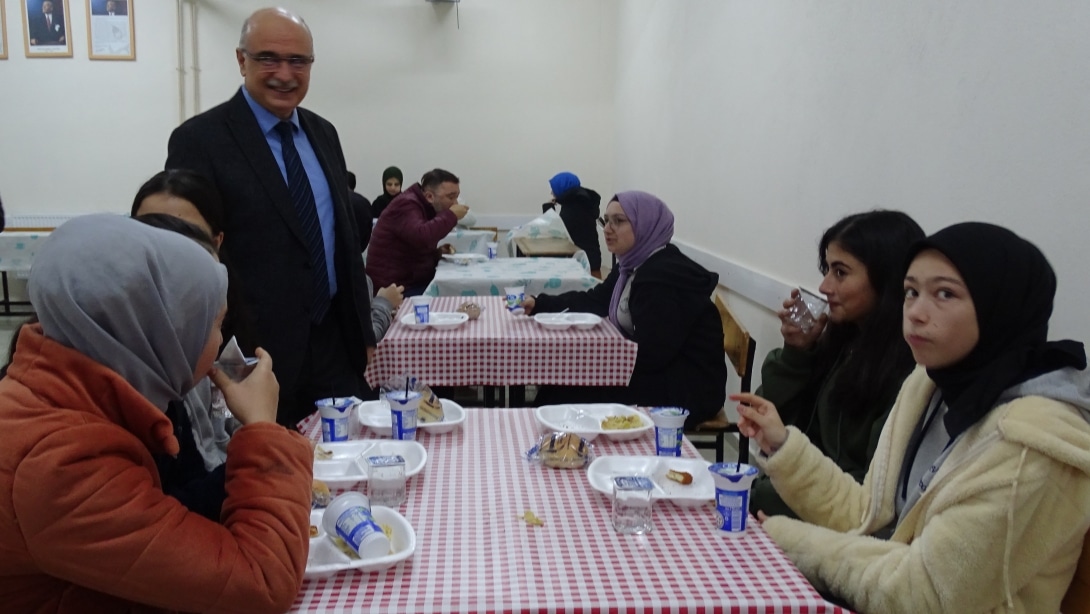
<point>837,381</point>
<point>659,298</point>
<point>130,319</point>
<point>405,244</point>
<point>579,211</point>
<point>978,496</point>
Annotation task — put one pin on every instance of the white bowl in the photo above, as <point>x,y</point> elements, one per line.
<point>465,259</point>
<point>376,416</point>
<point>325,559</point>
<point>438,320</point>
<point>563,321</point>
<point>601,472</point>
<point>585,420</point>
<point>348,466</point>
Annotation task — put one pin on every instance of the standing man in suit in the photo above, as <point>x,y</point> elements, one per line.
<point>47,27</point>
<point>289,230</point>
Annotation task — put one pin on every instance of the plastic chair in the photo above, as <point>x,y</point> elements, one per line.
<point>740,349</point>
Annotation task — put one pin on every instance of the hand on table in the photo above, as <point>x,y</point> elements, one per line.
<point>446,248</point>
<point>759,420</point>
<point>255,398</point>
<point>792,334</point>
<point>528,305</point>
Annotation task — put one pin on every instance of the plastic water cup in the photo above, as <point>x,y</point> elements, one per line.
<point>493,249</point>
<point>806,310</point>
<point>514,295</point>
<point>336,415</point>
<point>386,480</point>
<point>403,408</point>
<point>421,308</point>
<point>632,504</point>
<point>732,483</point>
<point>669,429</point>
<point>348,517</point>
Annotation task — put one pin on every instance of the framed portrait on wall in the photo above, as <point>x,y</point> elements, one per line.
<point>46,29</point>
<point>110,34</point>
<point>3,34</point>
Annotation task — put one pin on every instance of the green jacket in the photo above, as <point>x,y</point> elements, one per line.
<point>849,442</point>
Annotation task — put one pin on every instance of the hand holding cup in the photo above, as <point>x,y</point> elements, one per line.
<point>255,398</point>
<point>759,420</point>
<point>800,328</point>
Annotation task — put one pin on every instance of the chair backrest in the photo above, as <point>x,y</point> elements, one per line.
<point>739,347</point>
<point>495,230</point>
<point>1077,598</point>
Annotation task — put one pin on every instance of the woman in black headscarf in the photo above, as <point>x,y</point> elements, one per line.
<point>979,492</point>
<point>391,187</point>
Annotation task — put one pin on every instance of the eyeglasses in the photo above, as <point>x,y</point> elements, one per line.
<point>614,222</point>
<point>271,61</point>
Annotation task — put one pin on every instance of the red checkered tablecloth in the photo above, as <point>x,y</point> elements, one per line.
<point>475,554</point>
<point>500,349</point>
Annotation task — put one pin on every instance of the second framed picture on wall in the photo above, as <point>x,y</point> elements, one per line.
<point>45,28</point>
<point>110,34</point>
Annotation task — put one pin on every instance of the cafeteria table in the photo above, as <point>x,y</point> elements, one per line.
<point>490,277</point>
<point>475,553</point>
<point>501,349</point>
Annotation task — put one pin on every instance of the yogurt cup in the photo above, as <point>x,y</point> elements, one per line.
<point>513,297</point>
<point>403,409</point>
<point>348,517</point>
<point>336,416</point>
<point>669,429</point>
<point>732,483</point>
<point>421,309</point>
<point>493,250</point>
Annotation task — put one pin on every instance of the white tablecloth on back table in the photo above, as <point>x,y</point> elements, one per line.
<point>489,278</point>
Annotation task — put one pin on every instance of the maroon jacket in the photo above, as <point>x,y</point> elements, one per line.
<point>403,245</point>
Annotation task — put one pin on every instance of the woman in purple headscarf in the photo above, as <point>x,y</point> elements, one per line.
<point>659,298</point>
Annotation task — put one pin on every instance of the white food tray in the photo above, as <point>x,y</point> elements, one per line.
<point>348,466</point>
<point>376,416</point>
<point>585,420</point>
<point>437,320</point>
<point>325,559</point>
<point>564,321</point>
<point>601,472</point>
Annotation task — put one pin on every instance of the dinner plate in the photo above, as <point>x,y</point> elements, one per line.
<point>326,559</point>
<point>563,321</point>
<point>348,463</point>
<point>585,420</point>
<point>601,472</point>
<point>438,320</point>
<point>465,259</point>
<point>376,416</point>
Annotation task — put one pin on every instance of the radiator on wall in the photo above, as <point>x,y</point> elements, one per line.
<point>15,222</point>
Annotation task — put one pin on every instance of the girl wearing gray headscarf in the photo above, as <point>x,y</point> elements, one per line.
<point>129,321</point>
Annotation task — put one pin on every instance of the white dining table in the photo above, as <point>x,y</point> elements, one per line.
<point>490,277</point>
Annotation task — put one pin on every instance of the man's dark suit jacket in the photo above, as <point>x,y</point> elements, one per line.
<point>262,235</point>
<point>44,34</point>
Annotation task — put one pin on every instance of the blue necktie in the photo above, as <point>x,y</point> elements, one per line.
<point>303,199</point>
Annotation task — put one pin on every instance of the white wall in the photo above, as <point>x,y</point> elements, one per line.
<point>523,90</point>
<point>762,123</point>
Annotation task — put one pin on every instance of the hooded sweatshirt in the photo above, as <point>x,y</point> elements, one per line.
<point>999,527</point>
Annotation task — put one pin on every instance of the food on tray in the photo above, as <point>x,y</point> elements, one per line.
<point>431,408</point>
<point>313,531</point>
<point>532,519</point>
<point>345,548</point>
<point>681,477</point>
<point>473,310</point>
<point>321,453</point>
<point>319,494</point>
<point>631,421</point>
<point>564,451</point>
